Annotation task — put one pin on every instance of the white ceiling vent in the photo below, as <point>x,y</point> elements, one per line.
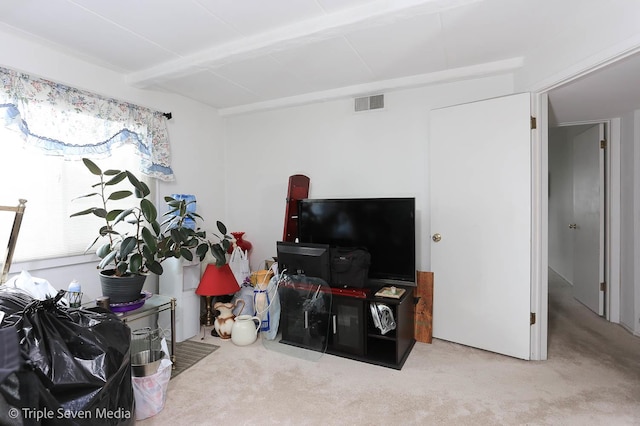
<point>369,102</point>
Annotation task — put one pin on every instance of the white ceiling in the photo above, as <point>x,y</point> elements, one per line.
<point>606,93</point>
<point>236,55</point>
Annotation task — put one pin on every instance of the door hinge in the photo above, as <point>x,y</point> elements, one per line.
<point>533,123</point>
<point>603,286</point>
<point>603,143</point>
<point>532,318</point>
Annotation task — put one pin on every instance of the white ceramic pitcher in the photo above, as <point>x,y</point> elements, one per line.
<point>245,330</point>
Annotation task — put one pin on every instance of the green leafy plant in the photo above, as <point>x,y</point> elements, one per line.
<point>146,243</point>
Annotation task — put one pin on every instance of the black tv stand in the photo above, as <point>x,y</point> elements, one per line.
<point>345,327</point>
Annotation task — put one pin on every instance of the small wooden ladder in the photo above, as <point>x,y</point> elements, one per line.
<point>298,190</point>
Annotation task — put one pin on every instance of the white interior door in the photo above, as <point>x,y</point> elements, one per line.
<point>588,225</point>
<point>480,181</point>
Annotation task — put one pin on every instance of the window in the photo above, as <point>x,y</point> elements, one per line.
<point>47,124</point>
<point>49,184</point>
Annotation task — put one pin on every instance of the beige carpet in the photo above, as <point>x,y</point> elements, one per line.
<point>592,377</point>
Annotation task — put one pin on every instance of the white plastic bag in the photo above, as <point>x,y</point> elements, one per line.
<point>267,305</point>
<point>246,295</point>
<point>38,288</point>
<point>150,392</point>
<point>239,264</point>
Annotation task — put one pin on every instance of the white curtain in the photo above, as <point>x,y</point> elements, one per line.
<point>73,123</point>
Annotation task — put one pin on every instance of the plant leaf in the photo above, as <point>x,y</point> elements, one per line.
<point>112,172</point>
<point>103,250</point>
<point>134,220</point>
<point>92,244</point>
<point>145,189</point>
<point>148,210</point>
<point>149,239</point>
<point>142,190</point>
<point>100,213</point>
<point>86,195</point>
<point>176,235</point>
<point>119,195</point>
<point>119,177</point>
<point>107,259</point>
<point>155,267</point>
<point>221,227</point>
<point>127,246</point>
<point>83,212</point>
<point>186,253</point>
<point>148,254</point>
<point>188,232</point>
<point>122,215</point>
<point>219,254</point>
<point>172,212</point>
<point>121,269</point>
<point>93,168</point>
<point>135,263</point>
<point>201,251</point>
<point>107,230</point>
<point>113,214</point>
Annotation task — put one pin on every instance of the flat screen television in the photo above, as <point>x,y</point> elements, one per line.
<point>384,226</point>
<point>311,260</point>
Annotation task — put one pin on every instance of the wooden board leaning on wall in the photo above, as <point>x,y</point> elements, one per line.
<point>424,307</point>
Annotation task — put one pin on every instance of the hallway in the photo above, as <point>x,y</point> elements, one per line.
<point>574,328</point>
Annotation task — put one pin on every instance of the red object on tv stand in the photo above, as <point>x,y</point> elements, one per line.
<point>298,189</point>
<point>359,293</point>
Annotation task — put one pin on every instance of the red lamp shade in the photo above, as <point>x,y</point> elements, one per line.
<point>217,281</point>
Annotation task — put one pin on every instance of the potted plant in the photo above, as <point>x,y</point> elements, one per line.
<point>132,243</point>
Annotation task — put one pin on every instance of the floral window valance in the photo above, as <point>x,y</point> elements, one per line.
<point>62,120</point>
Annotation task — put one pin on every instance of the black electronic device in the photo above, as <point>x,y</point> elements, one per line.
<point>383,226</point>
<point>311,260</point>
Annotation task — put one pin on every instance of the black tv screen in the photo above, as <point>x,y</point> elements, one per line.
<point>384,226</point>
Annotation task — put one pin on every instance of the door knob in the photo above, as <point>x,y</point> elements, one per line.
<point>573,226</point>
<point>436,237</point>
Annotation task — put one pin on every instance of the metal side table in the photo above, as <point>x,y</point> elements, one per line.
<point>154,305</point>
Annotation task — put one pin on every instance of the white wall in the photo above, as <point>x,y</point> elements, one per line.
<point>635,318</point>
<point>196,133</point>
<point>345,154</point>
<point>630,222</point>
<point>592,36</point>
<point>628,211</point>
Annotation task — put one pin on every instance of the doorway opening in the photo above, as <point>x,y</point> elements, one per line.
<point>578,210</point>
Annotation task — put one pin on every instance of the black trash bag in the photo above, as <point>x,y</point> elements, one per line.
<point>80,361</point>
<point>12,302</point>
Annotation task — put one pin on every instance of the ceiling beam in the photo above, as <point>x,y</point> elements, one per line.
<point>447,76</point>
<point>299,34</point>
